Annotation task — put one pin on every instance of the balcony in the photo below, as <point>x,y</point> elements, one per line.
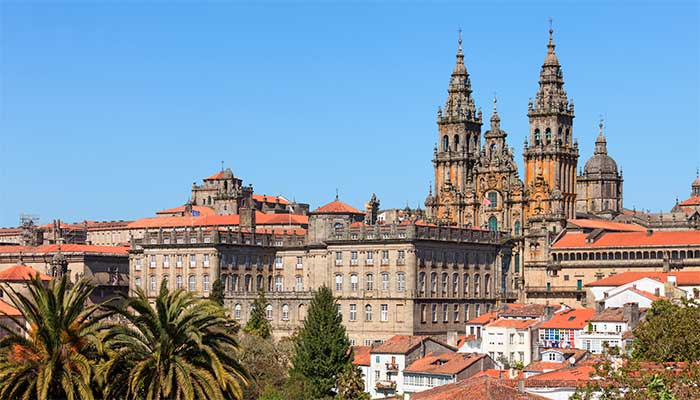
<point>353,261</point>
<point>386,385</point>
<point>392,367</point>
<point>338,263</point>
<point>385,261</point>
<point>369,261</point>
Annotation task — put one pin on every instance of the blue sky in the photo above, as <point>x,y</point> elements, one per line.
<point>110,110</point>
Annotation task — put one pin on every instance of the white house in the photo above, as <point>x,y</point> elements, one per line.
<point>389,359</point>
<point>437,369</point>
<point>361,360</point>
<point>608,327</point>
<point>509,338</point>
<point>664,284</point>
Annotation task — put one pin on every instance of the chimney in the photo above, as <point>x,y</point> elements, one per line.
<point>599,306</point>
<point>650,232</point>
<point>501,374</point>
<point>548,312</point>
<point>247,219</point>
<point>630,312</point>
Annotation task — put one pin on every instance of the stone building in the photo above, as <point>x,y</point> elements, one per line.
<point>408,278</point>
<point>599,187</point>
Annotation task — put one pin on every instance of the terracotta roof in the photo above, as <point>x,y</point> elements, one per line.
<point>281,231</point>
<point>607,225</point>
<point>615,314</point>
<point>545,366</point>
<point>8,310</point>
<point>337,207</point>
<point>203,210</point>
<point>262,198</point>
<point>566,377</point>
<point>630,239</point>
<point>10,231</point>
<point>218,175</point>
<point>512,323</point>
<point>357,224</point>
<point>361,355</point>
<point>648,295</point>
<point>218,220</point>
<point>482,387</point>
<point>21,273</point>
<point>483,318</point>
<point>66,248</point>
<point>461,340</point>
<point>523,310</point>
<point>683,278</point>
<point>693,201</point>
<point>62,226</point>
<point>444,363</point>
<point>97,225</point>
<point>281,219</point>
<point>494,373</point>
<point>569,319</point>
<point>402,344</point>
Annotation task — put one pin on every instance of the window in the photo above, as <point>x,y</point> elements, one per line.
<point>466,312</point>
<point>465,283</point>
<point>137,264</point>
<point>385,257</point>
<point>433,312</point>
<point>517,263</point>
<point>455,316</point>
<point>193,260</point>
<point>433,282</point>
<point>205,283</point>
<point>516,228</point>
<point>423,312</point>
<point>493,199</point>
<point>370,282</point>
<point>444,283</point>
<point>178,282</point>
<point>178,261</point>
<point>445,143</point>
<point>206,260</point>
<point>353,282</point>
<point>370,258</point>
<point>166,261</point>
<point>477,310</point>
<point>152,261</point>
<point>579,284</point>
<point>421,282</point>
<point>384,312</point>
<point>537,137</point>
<point>487,283</point>
<point>385,281</point>
<point>445,317</point>
<point>368,312</point>
<point>278,262</point>
<point>279,283</point>
<point>300,264</point>
<point>192,283</point>
<point>401,281</point>
<point>476,284</point>
<point>338,282</point>
<point>353,312</point>
<point>493,224</point>
<point>268,312</point>
<point>299,280</point>
<point>455,284</point>
<point>353,257</point>
<point>338,258</point>
<point>237,312</point>
<point>152,282</point>
<point>401,259</point>
<point>285,312</point>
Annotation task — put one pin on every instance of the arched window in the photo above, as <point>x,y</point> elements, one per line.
<point>445,143</point>
<point>492,199</point>
<point>152,283</point>
<point>465,283</point>
<point>248,283</point>
<point>548,135</point>
<point>487,283</point>
<point>421,282</point>
<point>285,312</point>
<point>279,283</point>
<point>237,312</point>
<point>423,312</point>
<point>302,312</point>
<point>493,224</point>
<point>338,282</point>
<point>268,312</point>
<point>178,282</point>
<point>444,283</point>
<point>566,136</point>
<point>476,284</point>
<point>455,284</point>
<point>368,312</point>
<point>269,283</point>
<point>401,281</point>
<point>493,148</point>
<point>192,283</point>
<point>537,136</point>
<point>516,228</point>
<point>209,200</point>
<point>456,141</point>
<point>385,281</point>
<point>433,282</point>
<point>205,283</point>
<point>353,282</point>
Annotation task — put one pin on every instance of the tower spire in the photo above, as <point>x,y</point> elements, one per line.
<point>600,142</point>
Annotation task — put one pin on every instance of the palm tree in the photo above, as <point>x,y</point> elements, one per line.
<point>183,348</point>
<point>49,351</point>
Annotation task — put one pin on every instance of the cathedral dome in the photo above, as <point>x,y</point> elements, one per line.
<point>600,162</point>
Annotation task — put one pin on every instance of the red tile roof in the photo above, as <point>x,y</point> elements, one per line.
<point>512,323</point>
<point>693,201</point>
<point>545,366</point>
<point>21,273</point>
<point>482,387</point>
<point>444,363</point>
<point>494,373</point>
<point>630,239</point>
<point>8,310</point>
<point>361,355</point>
<point>402,344</point>
<point>607,225</point>
<point>648,295</point>
<point>683,278</point>
<point>66,248</point>
<point>97,225</point>
<point>566,377</point>
<point>337,207</point>
<point>218,175</point>
<point>483,318</point>
<point>203,210</point>
<point>569,319</point>
<point>616,314</point>
<point>262,198</point>
<point>218,220</point>
<point>281,219</point>
<point>62,226</point>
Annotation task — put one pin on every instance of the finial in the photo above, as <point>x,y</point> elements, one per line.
<point>222,165</point>
<point>600,125</point>
<point>336,193</point>
<point>550,28</point>
<point>459,41</point>
<point>495,100</point>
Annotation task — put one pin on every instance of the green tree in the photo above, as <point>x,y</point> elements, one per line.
<point>351,385</point>
<point>321,350</point>
<point>217,292</point>
<point>52,355</point>
<point>180,348</point>
<point>258,323</point>
<point>670,332</point>
<point>266,361</point>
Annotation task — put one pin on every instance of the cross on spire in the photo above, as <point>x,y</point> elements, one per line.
<point>459,41</point>
<point>336,193</point>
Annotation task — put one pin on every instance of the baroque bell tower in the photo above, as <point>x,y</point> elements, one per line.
<point>459,142</point>
<point>551,155</point>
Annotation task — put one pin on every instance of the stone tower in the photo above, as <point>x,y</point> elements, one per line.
<point>551,154</point>
<point>599,187</point>
<point>459,136</point>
